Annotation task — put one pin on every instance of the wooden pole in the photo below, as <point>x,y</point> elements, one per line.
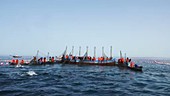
<point>79,50</point>
<point>120,54</point>
<point>110,51</point>
<point>72,50</point>
<point>37,55</point>
<point>87,50</point>
<point>94,51</point>
<point>102,51</point>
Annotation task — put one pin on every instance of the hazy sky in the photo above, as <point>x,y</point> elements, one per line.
<point>140,28</point>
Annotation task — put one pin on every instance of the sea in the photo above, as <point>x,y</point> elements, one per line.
<point>76,80</point>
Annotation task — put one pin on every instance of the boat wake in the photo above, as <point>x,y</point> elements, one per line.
<point>31,73</point>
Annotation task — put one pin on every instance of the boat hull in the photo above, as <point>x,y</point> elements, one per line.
<point>105,63</point>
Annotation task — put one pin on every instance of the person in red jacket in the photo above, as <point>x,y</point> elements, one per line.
<point>52,60</point>
<point>22,61</point>
<point>17,61</point>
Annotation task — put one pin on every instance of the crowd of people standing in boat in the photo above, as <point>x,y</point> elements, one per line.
<point>43,60</point>
<point>17,61</point>
<point>102,59</point>
<point>86,58</point>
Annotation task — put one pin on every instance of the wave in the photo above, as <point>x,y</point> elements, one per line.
<point>31,73</point>
<point>19,66</point>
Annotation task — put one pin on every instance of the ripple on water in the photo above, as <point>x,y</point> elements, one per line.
<point>84,80</point>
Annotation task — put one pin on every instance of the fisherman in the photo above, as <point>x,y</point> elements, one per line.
<point>127,60</point>
<point>67,57</point>
<point>98,59</point>
<point>107,58</point>
<point>102,59</point>
<point>22,61</point>
<point>52,60</point>
<point>13,61</point>
<point>122,59</point>
<point>41,60</point>
<point>17,61</point>
<point>74,58</point>
<point>44,60</point>
<point>35,60</point>
<point>63,58</point>
<point>38,61</point>
<point>132,64</point>
<point>94,59</point>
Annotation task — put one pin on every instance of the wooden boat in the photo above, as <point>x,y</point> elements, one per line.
<point>16,64</point>
<point>139,68</point>
<point>104,63</point>
<point>34,63</point>
<point>16,56</point>
<point>135,68</point>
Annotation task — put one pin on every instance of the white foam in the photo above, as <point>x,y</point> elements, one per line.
<point>19,66</point>
<point>161,62</point>
<point>31,73</point>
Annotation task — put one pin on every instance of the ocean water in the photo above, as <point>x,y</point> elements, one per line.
<point>74,80</point>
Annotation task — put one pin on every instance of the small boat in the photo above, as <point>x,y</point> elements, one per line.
<point>134,68</point>
<point>10,63</point>
<point>139,68</point>
<point>16,56</point>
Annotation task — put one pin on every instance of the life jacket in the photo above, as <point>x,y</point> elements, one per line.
<point>67,56</point>
<point>102,58</point>
<point>17,61</point>
<point>107,58</point>
<point>13,61</point>
<point>132,64</point>
<point>99,58</point>
<point>127,60</point>
<point>94,59</point>
<point>44,60</point>
<point>122,60</point>
<point>52,60</point>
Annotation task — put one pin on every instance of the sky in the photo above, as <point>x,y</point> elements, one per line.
<point>139,28</point>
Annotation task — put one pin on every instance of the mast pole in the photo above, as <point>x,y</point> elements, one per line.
<point>95,51</point>
<point>79,50</point>
<point>110,51</point>
<point>120,54</point>
<point>87,50</point>
<point>72,50</point>
<point>102,51</point>
<point>48,56</point>
<point>65,51</point>
<point>37,55</point>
